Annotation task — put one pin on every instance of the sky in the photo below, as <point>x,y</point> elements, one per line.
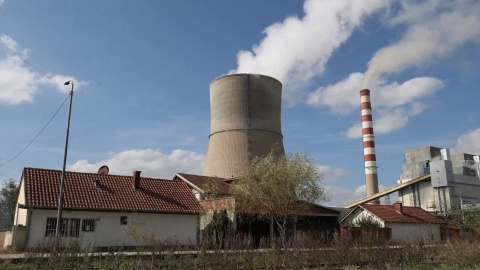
<point>142,69</point>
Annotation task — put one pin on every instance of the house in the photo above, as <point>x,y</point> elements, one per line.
<point>407,224</point>
<point>214,195</point>
<point>103,210</point>
<point>202,186</point>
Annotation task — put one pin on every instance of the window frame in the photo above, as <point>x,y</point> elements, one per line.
<point>70,227</point>
<point>88,222</point>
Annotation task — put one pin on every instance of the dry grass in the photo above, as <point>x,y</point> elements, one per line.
<point>239,252</point>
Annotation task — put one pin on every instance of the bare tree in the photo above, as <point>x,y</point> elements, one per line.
<point>279,187</point>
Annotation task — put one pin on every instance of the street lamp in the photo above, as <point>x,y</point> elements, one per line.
<point>62,182</point>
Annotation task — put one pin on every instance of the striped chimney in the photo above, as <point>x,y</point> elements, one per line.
<point>371,177</point>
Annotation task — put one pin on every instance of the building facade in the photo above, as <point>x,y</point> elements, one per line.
<point>454,179</point>
<point>407,224</point>
<point>102,211</point>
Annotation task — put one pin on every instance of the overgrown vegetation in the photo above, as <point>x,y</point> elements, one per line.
<point>308,252</point>
<point>8,203</point>
<point>468,217</point>
<point>277,187</point>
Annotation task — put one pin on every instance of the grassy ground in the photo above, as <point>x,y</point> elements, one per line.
<point>238,253</point>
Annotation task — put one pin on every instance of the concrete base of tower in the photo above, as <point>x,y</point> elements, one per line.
<point>371,183</point>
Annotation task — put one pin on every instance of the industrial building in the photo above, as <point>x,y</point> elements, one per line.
<point>454,179</point>
<point>245,122</point>
<point>435,180</point>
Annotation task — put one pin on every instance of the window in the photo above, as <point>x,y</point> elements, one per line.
<point>51,227</point>
<point>70,227</point>
<point>88,225</point>
<point>123,220</point>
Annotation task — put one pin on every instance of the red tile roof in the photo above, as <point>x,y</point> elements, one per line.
<point>410,214</point>
<point>117,192</point>
<point>203,182</point>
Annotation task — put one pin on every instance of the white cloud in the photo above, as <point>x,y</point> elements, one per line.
<point>18,83</point>
<point>298,49</point>
<point>469,143</point>
<point>332,174</point>
<point>152,163</point>
<point>389,120</point>
<point>59,80</point>
<point>343,97</point>
<point>8,41</point>
<point>395,103</point>
<point>434,30</point>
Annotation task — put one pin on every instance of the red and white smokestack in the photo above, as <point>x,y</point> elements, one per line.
<point>371,177</point>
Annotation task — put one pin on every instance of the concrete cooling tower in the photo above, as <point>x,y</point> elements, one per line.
<point>245,122</point>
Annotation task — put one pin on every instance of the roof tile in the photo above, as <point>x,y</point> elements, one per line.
<point>116,192</point>
<point>202,182</point>
<point>410,214</point>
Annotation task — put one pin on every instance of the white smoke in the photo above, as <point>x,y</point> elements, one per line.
<point>435,28</point>
<point>296,50</point>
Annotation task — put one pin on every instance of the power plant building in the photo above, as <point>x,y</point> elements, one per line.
<point>435,180</point>
<point>454,179</point>
<point>245,122</point>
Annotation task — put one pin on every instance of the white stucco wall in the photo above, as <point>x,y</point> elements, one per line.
<point>8,240</point>
<point>109,232</point>
<point>413,232</point>
<point>22,213</point>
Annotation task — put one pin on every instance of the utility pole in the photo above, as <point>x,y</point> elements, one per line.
<point>62,181</point>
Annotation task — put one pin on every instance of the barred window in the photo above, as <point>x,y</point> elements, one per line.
<point>70,227</point>
<point>88,225</point>
<point>123,220</point>
<point>51,227</point>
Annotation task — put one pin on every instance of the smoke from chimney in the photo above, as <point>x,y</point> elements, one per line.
<point>371,177</point>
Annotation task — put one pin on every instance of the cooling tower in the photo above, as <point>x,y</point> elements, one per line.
<point>245,122</point>
<point>371,177</point>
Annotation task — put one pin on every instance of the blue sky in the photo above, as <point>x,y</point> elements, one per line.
<point>142,71</point>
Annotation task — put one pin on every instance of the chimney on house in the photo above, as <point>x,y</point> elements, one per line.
<point>399,208</point>
<point>136,180</point>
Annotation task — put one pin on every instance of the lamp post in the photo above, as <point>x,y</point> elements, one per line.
<point>62,181</point>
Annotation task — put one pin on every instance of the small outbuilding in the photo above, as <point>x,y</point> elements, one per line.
<point>102,210</point>
<point>214,195</point>
<point>407,224</point>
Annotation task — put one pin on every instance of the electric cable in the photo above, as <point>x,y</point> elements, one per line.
<point>38,134</point>
<point>30,64</point>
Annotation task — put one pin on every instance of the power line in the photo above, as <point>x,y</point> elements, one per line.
<point>36,153</point>
<point>21,165</point>
<point>6,176</point>
<point>37,134</point>
<point>30,64</point>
